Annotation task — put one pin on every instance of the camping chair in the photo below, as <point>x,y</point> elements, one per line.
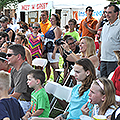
<point>39,63</point>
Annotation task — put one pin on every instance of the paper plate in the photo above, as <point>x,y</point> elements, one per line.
<point>85,117</point>
<point>100,117</point>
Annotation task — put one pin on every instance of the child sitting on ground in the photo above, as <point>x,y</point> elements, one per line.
<point>10,108</point>
<point>40,106</point>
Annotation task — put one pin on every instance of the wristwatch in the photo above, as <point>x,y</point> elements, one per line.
<point>62,115</point>
<point>68,53</point>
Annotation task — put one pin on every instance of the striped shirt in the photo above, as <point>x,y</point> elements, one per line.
<point>35,46</point>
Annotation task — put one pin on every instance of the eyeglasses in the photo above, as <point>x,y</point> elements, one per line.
<point>9,55</point>
<point>35,27</point>
<point>0,38</point>
<point>43,15</point>
<point>108,12</point>
<point>90,10</point>
<point>71,24</point>
<point>71,43</point>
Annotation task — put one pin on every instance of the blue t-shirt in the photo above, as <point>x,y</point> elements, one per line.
<point>10,107</point>
<point>77,102</point>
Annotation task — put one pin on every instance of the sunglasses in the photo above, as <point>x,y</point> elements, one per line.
<point>72,43</point>
<point>35,27</point>
<point>43,15</point>
<point>0,38</point>
<point>110,12</point>
<point>71,24</point>
<point>9,55</point>
<point>90,10</point>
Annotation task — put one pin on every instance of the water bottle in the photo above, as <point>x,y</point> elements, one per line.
<point>42,37</point>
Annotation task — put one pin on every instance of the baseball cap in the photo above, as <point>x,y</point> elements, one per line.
<point>4,19</point>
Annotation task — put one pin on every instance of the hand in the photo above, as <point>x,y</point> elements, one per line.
<point>102,17</point>
<point>77,42</point>
<point>85,24</point>
<point>85,110</point>
<point>59,118</point>
<point>53,56</point>
<point>28,114</point>
<point>65,46</point>
<point>1,30</point>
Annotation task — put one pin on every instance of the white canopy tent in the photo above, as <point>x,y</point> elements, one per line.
<point>70,9</point>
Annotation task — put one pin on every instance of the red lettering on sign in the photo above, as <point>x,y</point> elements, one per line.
<point>33,6</point>
<point>25,7</point>
<point>42,5</point>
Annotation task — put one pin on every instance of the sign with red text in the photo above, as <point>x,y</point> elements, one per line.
<point>36,6</point>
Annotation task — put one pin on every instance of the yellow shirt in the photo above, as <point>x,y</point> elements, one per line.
<point>45,26</point>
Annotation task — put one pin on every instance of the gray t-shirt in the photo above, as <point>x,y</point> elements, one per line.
<point>19,81</point>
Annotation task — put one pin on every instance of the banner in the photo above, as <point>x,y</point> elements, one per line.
<point>36,6</point>
<point>79,15</point>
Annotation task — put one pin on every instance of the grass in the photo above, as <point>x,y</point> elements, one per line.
<point>55,113</point>
<point>60,66</point>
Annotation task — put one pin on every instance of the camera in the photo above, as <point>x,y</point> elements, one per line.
<point>59,42</point>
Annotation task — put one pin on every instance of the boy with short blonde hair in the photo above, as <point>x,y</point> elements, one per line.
<point>10,108</point>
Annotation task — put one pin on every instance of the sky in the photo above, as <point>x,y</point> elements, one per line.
<point>78,3</point>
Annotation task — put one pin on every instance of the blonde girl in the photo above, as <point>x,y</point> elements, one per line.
<point>102,93</point>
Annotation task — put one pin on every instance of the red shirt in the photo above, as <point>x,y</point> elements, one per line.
<point>116,80</point>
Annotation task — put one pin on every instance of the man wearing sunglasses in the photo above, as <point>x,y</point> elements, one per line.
<point>74,48</point>
<point>16,58</point>
<point>88,25</point>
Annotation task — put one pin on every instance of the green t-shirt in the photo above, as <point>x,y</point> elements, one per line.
<point>39,100</point>
<point>74,34</point>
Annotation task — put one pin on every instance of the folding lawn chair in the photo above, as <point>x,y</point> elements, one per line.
<point>39,62</point>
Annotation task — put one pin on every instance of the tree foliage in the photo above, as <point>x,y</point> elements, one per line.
<point>115,1</point>
<point>9,3</point>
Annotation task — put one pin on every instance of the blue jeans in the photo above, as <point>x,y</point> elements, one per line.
<point>25,105</point>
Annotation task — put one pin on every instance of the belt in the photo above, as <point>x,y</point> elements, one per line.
<point>22,99</point>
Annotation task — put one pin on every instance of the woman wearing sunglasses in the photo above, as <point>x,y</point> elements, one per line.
<point>34,42</point>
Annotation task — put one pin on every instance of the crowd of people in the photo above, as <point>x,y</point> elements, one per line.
<point>22,93</point>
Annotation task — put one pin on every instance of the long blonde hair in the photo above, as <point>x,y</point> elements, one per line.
<point>90,46</point>
<point>109,92</point>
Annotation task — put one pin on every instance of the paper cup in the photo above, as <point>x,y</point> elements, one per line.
<point>85,117</point>
<point>100,117</point>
